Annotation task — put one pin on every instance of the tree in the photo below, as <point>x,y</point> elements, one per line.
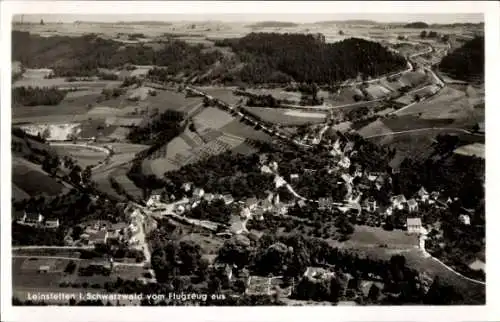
<point>341,32</point>
<point>86,174</point>
<point>41,22</point>
<point>442,294</point>
<point>373,293</point>
<point>423,34</point>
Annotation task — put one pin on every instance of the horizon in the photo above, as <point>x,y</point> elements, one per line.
<point>247,18</point>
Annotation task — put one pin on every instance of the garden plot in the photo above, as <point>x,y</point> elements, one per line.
<point>377,91</point>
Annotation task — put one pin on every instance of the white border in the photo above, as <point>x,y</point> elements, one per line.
<point>477,313</point>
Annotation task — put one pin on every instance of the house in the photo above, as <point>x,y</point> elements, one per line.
<point>198,192</point>
<point>180,209</point>
<point>245,213</point>
<point>187,186</point>
<point>414,225</point>
<point>347,178</point>
<point>344,162</point>
<point>301,203</point>
<point>279,181</point>
<point>434,195</point>
<point>371,205</point>
<point>228,199</point>
<point>31,218</point>
<point>274,166</point>
<point>238,227</point>
<point>372,177</point>
<point>318,273</point>
<point>388,211</point>
<point>92,237</point>
<point>412,205</point>
<point>423,194</point>
<point>398,201</point>
<point>153,200</point>
<point>276,199</point>
<point>44,269</point>
<point>209,197</point>
<point>395,163</point>
<point>266,205</point>
<point>265,169</point>
<point>294,176</point>
<point>464,219</point>
<point>325,203</point>
<point>52,223</point>
<point>251,203</point>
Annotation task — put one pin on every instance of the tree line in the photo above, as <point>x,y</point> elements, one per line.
<point>33,96</point>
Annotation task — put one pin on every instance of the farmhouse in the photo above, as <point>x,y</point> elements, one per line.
<point>209,197</point>
<point>414,225</point>
<point>52,223</point>
<point>412,205</point>
<point>371,205</point>
<point>228,199</point>
<point>198,192</point>
<point>464,219</point>
<point>398,201</point>
<point>31,218</point>
<point>423,194</point>
<point>318,273</point>
<point>477,265</point>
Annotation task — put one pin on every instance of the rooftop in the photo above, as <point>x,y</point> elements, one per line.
<point>414,222</point>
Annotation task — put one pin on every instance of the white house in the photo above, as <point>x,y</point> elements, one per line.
<point>464,219</point>
<point>423,194</point>
<point>52,223</point>
<point>398,201</point>
<point>31,218</point>
<point>294,176</point>
<point>414,225</point>
<point>371,205</point>
<point>245,213</point>
<point>412,205</point>
<point>153,200</point>
<point>187,186</point>
<point>198,192</point>
<point>345,162</point>
<point>265,169</point>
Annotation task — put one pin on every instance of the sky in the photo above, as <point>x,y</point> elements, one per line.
<point>239,17</point>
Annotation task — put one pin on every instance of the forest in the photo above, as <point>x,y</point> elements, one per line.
<point>82,56</point>
<point>280,58</point>
<point>33,96</point>
<point>466,62</point>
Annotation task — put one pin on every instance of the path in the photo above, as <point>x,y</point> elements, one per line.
<point>423,129</point>
<point>75,259</point>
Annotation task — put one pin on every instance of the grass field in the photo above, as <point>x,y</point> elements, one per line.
<point>214,118</point>
<point>18,193</point>
<point>84,156</point>
<point>286,117</point>
<point>168,100</point>
<point>31,179</point>
<point>225,94</point>
<point>237,128</point>
<point>61,82</point>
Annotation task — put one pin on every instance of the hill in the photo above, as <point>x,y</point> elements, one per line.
<point>82,56</point>
<point>466,62</point>
<point>280,58</point>
<point>273,24</point>
<point>347,22</point>
<point>418,24</point>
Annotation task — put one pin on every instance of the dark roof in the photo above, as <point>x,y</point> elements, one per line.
<point>396,161</point>
<point>32,215</point>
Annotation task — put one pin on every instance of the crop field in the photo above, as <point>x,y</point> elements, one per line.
<point>475,149</point>
<point>214,118</point>
<point>32,180</point>
<point>169,100</point>
<point>409,122</point>
<point>83,155</point>
<point>25,272</point>
<point>286,116</point>
<point>225,94</point>
<point>375,128</point>
<point>240,129</point>
<point>376,91</point>
<point>120,175</point>
<point>413,78</point>
<point>209,243</point>
<point>103,111</point>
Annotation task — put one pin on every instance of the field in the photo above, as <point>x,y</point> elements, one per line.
<point>62,83</point>
<point>19,194</point>
<point>169,100</point>
<point>225,94</point>
<point>374,236</point>
<point>213,118</point>
<point>475,149</point>
<point>31,179</point>
<point>286,117</point>
<point>85,156</point>
<point>237,128</point>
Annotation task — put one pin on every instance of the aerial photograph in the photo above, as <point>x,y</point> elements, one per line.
<point>268,161</point>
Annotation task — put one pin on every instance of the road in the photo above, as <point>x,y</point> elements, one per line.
<point>423,129</point>
<point>75,259</point>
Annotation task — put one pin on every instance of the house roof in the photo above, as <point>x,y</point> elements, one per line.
<point>414,222</point>
<point>398,198</point>
<point>32,215</point>
<point>422,191</point>
<point>412,202</point>
<point>396,161</point>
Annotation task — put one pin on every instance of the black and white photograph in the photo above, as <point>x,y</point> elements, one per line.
<point>214,159</point>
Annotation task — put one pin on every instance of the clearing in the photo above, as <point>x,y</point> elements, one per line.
<point>475,149</point>
<point>286,117</point>
<point>30,178</point>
